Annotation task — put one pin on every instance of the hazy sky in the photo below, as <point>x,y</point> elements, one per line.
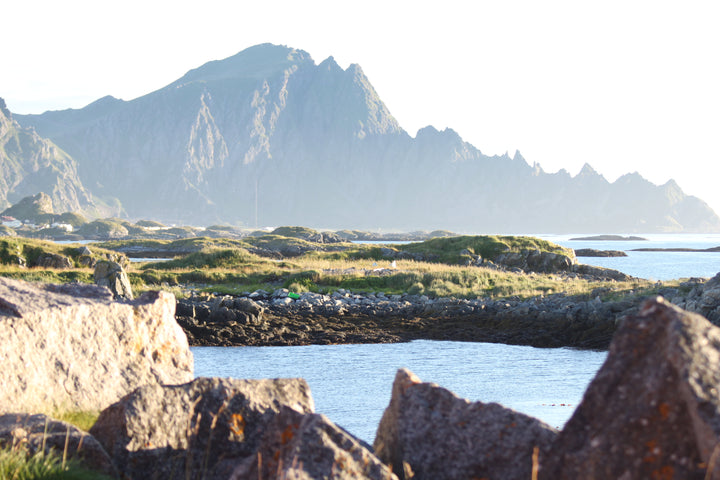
<point>622,85</point>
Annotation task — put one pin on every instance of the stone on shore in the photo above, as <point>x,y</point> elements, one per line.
<point>72,347</point>
<point>309,446</point>
<point>35,432</point>
<point>201,429</point>
<point>653,409</point>
<point>111,275</point>
<point>427,432</point>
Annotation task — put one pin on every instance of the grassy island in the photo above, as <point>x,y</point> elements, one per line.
<point>301,260</point>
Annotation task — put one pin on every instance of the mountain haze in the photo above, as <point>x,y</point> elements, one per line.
<point>268,137</point>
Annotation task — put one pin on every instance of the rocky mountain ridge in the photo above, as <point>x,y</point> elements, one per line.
<point>30,164</point>
<point>267,137</point>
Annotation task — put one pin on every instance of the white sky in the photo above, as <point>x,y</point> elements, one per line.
<point>622,85</point>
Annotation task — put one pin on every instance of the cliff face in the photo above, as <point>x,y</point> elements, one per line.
<point>30,164</point>
<point>268,137</point>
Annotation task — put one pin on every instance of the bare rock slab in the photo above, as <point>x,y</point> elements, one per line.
<point>307,447</point>
<point>72,347</point>
<point>653,409</point>
<point>36,432</point>
<point>427,432</point>
<point>202,429</point>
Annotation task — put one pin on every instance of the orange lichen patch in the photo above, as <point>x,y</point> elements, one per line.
<point>288,433</point>
<point>653,452</point>
<point>237,424</point>
<point>664,410</point>
<point>665,473</point>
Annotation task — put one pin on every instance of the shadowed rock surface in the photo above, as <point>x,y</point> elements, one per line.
<point>201,429</point>
<point>309,446</point>
<point>427,432</point>
<point>653,409</point>
<point>34,432</point>
<point>72,347</point>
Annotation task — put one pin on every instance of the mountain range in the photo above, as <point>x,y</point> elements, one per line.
<point>269,137</point>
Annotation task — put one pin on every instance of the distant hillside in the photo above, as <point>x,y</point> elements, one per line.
<point>268,137</point>
<point>30,164</point>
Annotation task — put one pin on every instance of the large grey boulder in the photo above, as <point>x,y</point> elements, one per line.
<point>111,275</point>
<point>201,429</point>
<point>653,409</point>
<point>307,447</point>
<point>37,432</point>
<point>427,432</point>
<point>72,347</point>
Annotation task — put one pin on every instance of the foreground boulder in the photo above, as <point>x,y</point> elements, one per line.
<point>35,432</point>
<point>309,446</point>
<point>202,429</point>
<point>71,347</point>
<point>653,409</point>
<point>427,432</point>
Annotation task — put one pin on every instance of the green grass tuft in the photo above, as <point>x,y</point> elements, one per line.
<point>17,464</point>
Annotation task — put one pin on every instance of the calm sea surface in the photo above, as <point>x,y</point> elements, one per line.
<point>352,384</point>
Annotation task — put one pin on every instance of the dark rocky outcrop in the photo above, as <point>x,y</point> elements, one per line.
<point>35,432</point>
<point>429,433</point>
<point>201,429</point>
<point>72,347</point>
<point>653,409</point>
<point>344,317</point>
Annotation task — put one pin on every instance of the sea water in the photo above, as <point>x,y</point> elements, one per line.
<point>652,265</point>
<point>352,384</point>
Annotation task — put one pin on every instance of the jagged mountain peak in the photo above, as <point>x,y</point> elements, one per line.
<point>254,62</point>
<point>517,158</point>
<point>330,65</point>
<point>588,171</point>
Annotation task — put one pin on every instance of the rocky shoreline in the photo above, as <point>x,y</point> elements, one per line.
<point>652,411</point>
<point>277,319</point>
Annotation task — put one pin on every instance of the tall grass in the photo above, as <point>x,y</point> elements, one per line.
<point>18,464</point>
